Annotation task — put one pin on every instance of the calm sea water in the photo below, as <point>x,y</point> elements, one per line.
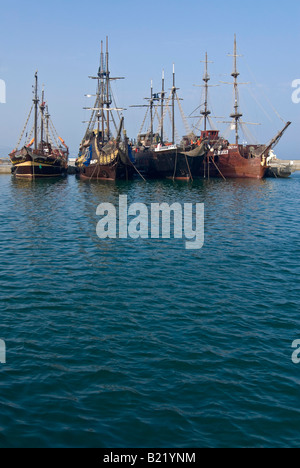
<point>124,343</point>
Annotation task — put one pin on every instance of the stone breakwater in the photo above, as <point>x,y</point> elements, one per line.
<point>5,166</point>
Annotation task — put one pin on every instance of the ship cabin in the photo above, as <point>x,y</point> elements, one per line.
<point>211,135</point>
<point>145,140</point>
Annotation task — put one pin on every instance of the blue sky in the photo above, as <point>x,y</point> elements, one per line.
<point>62,40</point>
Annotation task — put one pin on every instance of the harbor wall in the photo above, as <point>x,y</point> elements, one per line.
<point>281,162</point>
<point>5,167</point>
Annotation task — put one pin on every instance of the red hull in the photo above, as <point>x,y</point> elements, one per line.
<point>233,165</point>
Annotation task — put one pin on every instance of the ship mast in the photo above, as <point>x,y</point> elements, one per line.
<point>151,113</point>
<point>154,97</point>
<point>236,115</point>
<point>162,107</point>
<point>42,107</point>
<point>205,113</point>
<point>174,89</point>
<point>206,79</point>
<point>101,91</point>
<point>36,102</point>
<point>47,117</point>
<point>108,99</point>
<point>102,109</point>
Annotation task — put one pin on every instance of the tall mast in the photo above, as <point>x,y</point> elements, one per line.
<point>173,106</point>
<point>101,92</point>
<point>162,106</point>
<point>98,94</point>
<point>47,117</point>
<point>42,107</point>
<point>151,113</point>
<point>236,114</point>
<point>36,102</point>
<point>206,79</point>
<point>108,100</point>
<point>103,97</point>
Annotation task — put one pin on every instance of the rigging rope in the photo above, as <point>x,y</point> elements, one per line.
<point>30,137</point>
<point>248,134</point>
<point>211,123</point>
<point>176,133</point>
<point>196,127</point>
<point>184,119</point>
<point>155,115</point>
<point>47,130</point>
<point>164,114</point>
<point>141,129</point>
<point>48,133</point>
<point>115,104</point>
<point>93,117</point>
<point>265,96</point>
<point>57,136</point>
<point>22,133</point>
<point>113,119</point>
<point>258,103</point>
<point>156,112</point>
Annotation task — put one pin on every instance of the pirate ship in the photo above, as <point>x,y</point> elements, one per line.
<point>40,156</point>
<point>159,158</point>
<point>207,155</point>
<point>239,160</point>
<point>103,156</point>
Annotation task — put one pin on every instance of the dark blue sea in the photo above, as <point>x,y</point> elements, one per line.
<point>142,343</point>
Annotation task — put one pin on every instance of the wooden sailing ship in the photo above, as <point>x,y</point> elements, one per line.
<point>237,160</point>
<point>40,156</point>
<point>101,155</point>
<point>207,155</point>
<point>158,158</point>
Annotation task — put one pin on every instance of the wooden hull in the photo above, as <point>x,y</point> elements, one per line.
<point>112,172</point>
<point>34,170</point>
<point>94,163</point>
<point>30,165</point>
<point>232,165</point>
<point>169,165</point>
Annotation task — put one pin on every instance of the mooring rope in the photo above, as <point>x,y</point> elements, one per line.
<point>217,167</point>
<point>189,169</point>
